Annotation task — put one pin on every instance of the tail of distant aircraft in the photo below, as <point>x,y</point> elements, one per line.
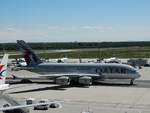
<point>3,69</point>
<point>29,55</point>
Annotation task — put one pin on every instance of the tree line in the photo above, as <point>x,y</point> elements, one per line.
<point>75,45</point>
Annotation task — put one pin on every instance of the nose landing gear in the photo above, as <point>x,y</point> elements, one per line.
<point>132,82</point>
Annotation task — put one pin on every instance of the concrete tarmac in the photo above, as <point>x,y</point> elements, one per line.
<point>103,97</point>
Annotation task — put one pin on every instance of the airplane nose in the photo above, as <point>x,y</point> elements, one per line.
<point>138,75</point>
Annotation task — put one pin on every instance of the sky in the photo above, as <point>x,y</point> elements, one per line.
<point>74,20</point>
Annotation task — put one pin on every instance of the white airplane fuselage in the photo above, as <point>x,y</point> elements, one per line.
<point>105,71</point>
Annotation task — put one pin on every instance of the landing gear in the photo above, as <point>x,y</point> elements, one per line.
<point>131,82</point>
<point>24,80</point>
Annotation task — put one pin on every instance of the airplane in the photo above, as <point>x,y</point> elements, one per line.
<point>4,87</point>
<point>111,60</point>
<point>3,74</point>
<point>61,60</point>
<point>19,62</point>
<point>3,71</point>
<point>83,73</point>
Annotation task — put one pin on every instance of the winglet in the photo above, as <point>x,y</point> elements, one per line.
<point>3,68</point>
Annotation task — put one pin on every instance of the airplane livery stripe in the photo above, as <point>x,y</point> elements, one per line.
<point>1,72</point>
<point>1,66</point>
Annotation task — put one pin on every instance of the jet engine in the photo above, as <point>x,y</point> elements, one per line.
<point>62,80</point>
<point>85,80</point>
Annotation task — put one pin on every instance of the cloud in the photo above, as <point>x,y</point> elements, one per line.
<point>52,33</point>
<point>11,28</point>
<point>81,28</point>
<point>97,28</point>
<point>60,28</point>
<point>11,33</point>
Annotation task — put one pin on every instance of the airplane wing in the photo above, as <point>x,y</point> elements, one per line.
<point>70,75</point>
<point>24,106</point>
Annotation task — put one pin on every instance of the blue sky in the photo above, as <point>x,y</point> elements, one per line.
<point>74,20</point>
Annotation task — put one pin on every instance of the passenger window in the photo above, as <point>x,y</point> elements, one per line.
<point>110,69</point>
<point>113,70</point>
<point>99,70</point>
<point>117,71</point>
<point>105,70</point>
<point>122,70</point>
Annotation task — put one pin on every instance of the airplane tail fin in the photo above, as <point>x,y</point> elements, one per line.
<point>29,55</point>
<point>3,69</point>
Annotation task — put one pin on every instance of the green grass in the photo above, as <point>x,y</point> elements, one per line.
<point>129,52</point>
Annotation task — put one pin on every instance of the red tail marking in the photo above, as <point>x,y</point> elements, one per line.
<point>1,66</point>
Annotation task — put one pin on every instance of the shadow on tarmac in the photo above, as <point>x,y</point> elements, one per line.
<point>40,89</point>
<point>137,84</point>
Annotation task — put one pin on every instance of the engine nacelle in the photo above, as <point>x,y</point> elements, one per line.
<point>62,80</point>
<point>85,80</point>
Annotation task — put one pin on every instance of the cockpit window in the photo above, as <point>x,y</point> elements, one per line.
<point>132,71</point>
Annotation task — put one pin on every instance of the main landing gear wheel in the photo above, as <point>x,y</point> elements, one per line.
<point>25,81</point>
<point>131,82</point>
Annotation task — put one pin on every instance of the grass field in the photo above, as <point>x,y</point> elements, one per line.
<point>129,52</point>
